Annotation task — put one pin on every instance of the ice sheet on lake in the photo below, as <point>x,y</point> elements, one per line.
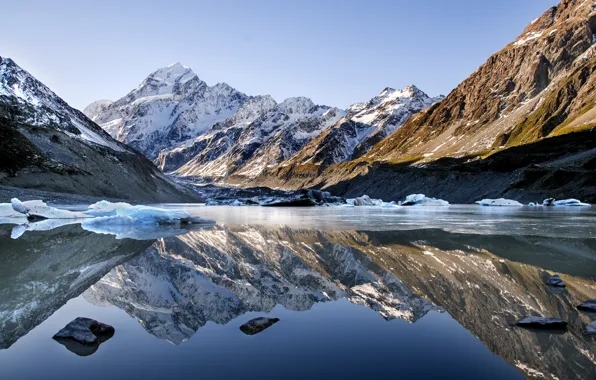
<point>365,200</point>
<point>498,202</point>
<point>422,200</point>
<point>40,209</point>
<point>120,219</point>
<point>564,202</point>
<point>7,210</point>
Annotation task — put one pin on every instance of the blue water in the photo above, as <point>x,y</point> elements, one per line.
<point>425,293</point>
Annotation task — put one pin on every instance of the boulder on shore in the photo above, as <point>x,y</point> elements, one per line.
<point>556,280</point>
<point>589,305</point>
<point>255,326</point>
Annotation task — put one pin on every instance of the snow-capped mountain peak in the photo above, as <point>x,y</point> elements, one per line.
<point>170,107</point>
<point>296,105</point>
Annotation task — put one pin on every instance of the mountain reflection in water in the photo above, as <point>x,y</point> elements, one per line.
<point>175,285</point>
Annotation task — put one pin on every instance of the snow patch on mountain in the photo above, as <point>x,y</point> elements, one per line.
<point>171,106</point>
<point>21,89</point>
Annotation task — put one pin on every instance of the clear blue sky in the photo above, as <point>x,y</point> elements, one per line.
<point>335,52</point>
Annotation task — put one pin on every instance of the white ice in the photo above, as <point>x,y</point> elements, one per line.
<point>365,200</point>
<point>120,219</point>
<point>40,209</point>
<point>564,202</point>
<point>498,202</point>
<point>422,200</point>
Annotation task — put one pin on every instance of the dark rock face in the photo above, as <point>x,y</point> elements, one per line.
<point>255,326</point>
<point>589,306</point>
<point>84,335</point>
<point>556,281</point>
<point>305,198</point>
<point>542,323</point>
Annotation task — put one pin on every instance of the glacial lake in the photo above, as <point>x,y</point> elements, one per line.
<point>365,292</point>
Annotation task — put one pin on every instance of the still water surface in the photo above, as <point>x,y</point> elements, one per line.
<point>411,293</point>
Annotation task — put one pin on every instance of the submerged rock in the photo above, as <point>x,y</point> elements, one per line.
<point>556,281</point>
<point>542,322</point>
<point>255,326</point>
<point>589,305</point>
<point>84,335</point>
<point>590,329</point>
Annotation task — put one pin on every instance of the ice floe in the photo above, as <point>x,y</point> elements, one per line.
<point>41,210</point>
<point>365,200</point>
<point>120,219</point>
<point>498,202</point>
<point>422,200</point>
<point>563,202</point>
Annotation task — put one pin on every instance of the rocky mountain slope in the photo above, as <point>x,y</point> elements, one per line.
<point>199,131</point>
<point>47,145</point>
<point>248,145</point>
<point>365,124</point>
<point>170,106</point>
<point>535,93</point>
<point>537,86</point>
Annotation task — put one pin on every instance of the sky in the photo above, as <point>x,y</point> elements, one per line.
<point>335,52</point>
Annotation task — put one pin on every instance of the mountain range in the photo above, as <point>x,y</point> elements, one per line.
<point>521,126</point>
<point>47,145</point>
<point>194,130</point>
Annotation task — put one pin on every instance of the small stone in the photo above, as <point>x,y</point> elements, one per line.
<point>556,281</point>
<point>589,305</point>
<point>255,326</point>
<point>541,322</point>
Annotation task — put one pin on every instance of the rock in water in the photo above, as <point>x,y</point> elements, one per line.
<point>590,329</point>
<point>84,335</point>
<point>255,326</point>
<point>542,323</point>
<point>556,281</point>
<point>589,305</point>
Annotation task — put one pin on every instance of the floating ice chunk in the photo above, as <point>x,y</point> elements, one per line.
<point>145,215</point>
<point>7,210</point>
<point>365,200</point>
<point>564,202</point>
<point>40,209</point>
<point>422,200</point>
<point>105,208</point>
<point>498,202</point>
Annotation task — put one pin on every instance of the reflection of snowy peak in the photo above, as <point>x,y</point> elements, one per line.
<point>170,106</point>
<point>245,145</point>
<point>218,274</point>
<point>366,124</point>
<point>43,270</point>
